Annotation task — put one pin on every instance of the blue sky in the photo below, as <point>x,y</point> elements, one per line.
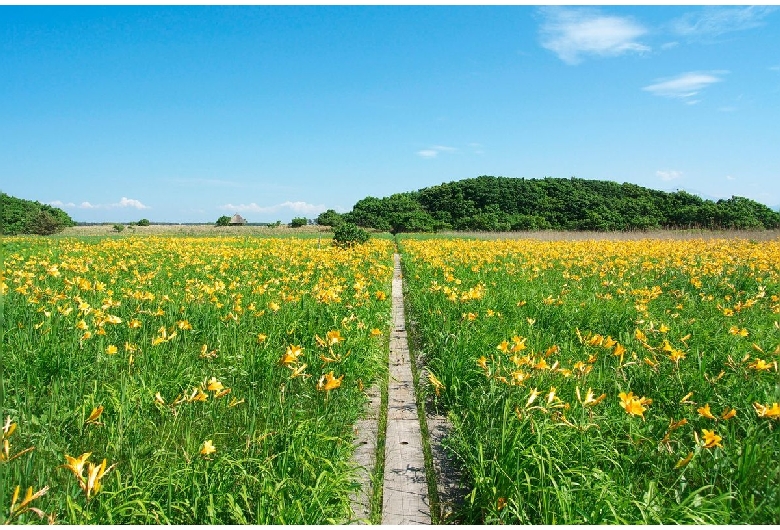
<point>183,114</point>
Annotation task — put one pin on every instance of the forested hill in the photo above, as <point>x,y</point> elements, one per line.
<point>20,216</point>
<point>503,204</point>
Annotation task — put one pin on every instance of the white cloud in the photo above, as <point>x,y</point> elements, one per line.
<point>714,21</point>
<point>729,177</point>
<point>132,203</point>
<point>294,206</point>
<point>685,85</point>
<point>124,202</point>
<point>433,151</point>
<point>428,153</point>
<point>60,204</point>
<point>572,33</point>
<point>669,174</point>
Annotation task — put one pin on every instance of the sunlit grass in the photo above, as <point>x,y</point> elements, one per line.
<point>596,382</point>
<point>207,380</point>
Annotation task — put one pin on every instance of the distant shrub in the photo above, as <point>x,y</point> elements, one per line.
<point>143,222</point>
<point>119,227</point>
<point>347,235</point>
<point>223,220</point>
<point>298,222</point>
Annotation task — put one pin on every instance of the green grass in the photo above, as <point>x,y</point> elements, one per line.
<point>283,447</point>
<point>559,462</point>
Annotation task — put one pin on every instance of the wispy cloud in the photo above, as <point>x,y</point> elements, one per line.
<point>293,206</point>
<point>124,202</point>
<point>669,174</point>
<point>573,33</point>
<point>715,21</point>
<point>433,152</point>
<point>684,86</point>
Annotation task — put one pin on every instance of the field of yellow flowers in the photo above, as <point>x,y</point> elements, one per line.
<point>594,382</point>
<point>186,380</point>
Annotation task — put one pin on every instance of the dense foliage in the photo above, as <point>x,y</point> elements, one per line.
<point>503,204</point>
<point>20,216</point>
<point>330,218</point>
<point>348,235</point>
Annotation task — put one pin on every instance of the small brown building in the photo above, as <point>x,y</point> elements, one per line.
<point>237,220</point>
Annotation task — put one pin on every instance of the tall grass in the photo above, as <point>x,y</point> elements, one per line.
<point>535,341</point>
<point>188,344</point>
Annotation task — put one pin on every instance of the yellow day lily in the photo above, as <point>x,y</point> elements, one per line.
<point>619,351</point>
<point>94,415</point>
<point>298,371</point>
<point>532,397</point>
<point>686,397</point>
<point>94,476</point>
<point>91,483</point>
<point>76,465</point>
<point>234,402</point>
<point>222,393</point>
<point>765,411</point>
<point>633,405</point>
<point>5,452</point>
<point>729,414</point>
<point>327,382</point>
<point>24,506</point>
<point>214,385</point>
<point>437,385</point>
<point>207,448</point>
<point>705,411</point>
<point>760,364</point>
<point>589,399</point>
<point>291,355</point>
<point>334,337</point>
<point>711,439</point>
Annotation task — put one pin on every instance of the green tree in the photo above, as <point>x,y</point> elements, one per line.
<point>347,235</point>
<point>330,218</point>
<point>298,222</point>
<point>21,216</point>
<point>144,222</point>
<point>223,220</point>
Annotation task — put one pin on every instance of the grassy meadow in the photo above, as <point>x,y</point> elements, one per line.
<point>196,377</point>
<point>186,379</point>
<point>600,382</point>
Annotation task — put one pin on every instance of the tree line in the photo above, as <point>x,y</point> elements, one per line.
<point>20,216</point>
<point>499,204</point>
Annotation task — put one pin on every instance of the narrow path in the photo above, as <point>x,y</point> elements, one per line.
<point>405,490</point>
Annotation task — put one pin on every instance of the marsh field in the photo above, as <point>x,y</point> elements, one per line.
<point>203,375</point>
